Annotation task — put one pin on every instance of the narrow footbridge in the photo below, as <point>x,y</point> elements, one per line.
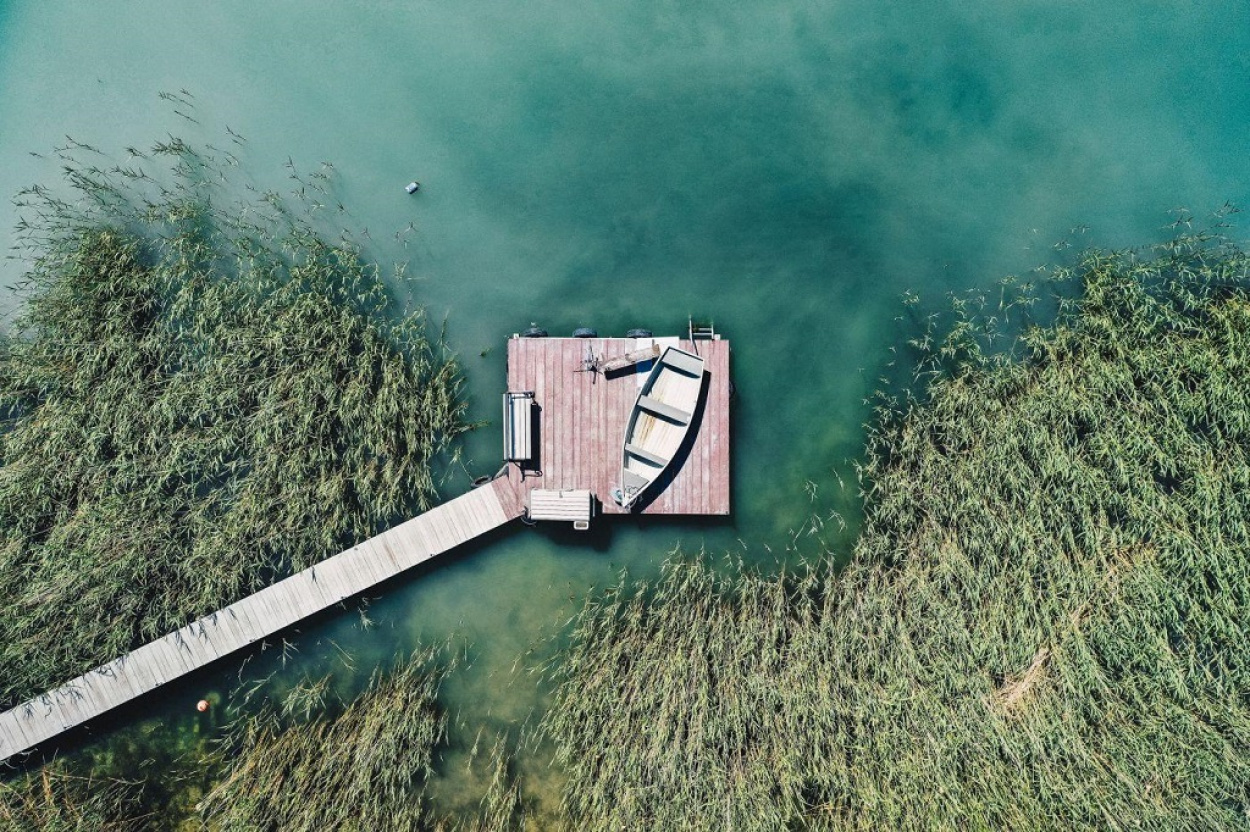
<point>258,616</point>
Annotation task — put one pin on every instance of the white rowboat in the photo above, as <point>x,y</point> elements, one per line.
<point>661,419</point>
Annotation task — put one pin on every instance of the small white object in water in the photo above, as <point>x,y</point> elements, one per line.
<point>412,187</point>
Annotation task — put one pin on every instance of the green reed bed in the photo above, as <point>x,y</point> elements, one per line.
<point>290,758</point>
<point>495,786</point>
<point>308,760</point>
<point>198,399</point>
<point>666,715</point>
<point>502,807</point>
<point>54,800</point>
<point>313,763</point>
<point>1043,624</point>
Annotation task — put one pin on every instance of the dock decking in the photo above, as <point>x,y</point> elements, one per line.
<point>582,417</point>
<point>256,617</point>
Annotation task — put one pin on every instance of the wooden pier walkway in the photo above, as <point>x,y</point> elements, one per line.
<point>256,617</point>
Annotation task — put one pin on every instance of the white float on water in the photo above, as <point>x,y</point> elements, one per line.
<point>412,187</point>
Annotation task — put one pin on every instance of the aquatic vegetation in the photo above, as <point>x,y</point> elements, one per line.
<point>54,800</point>
<point>666,715</point>
<point>502,808</point>
<point>309,760</point>
<point>1042,626</point>
<point>312,763</point>
<point>197,400</point>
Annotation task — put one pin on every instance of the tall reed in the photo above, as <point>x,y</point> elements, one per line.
<point>197,399</point>
<point>55,800</point>
<point>310,762</point>
<point>306,759</point>
<point>1042,626</point>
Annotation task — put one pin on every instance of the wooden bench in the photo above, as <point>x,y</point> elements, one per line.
<point>518,427</point>
<point>572,506</point>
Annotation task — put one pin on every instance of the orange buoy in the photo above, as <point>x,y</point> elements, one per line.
<point>202,705</point>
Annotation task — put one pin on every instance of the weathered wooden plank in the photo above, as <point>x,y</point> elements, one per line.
<point>568,384</point>
<point>485,509</point>
<point>446,528</point>
<point>193,640</point>
<point>20,728</point>
<point>491,511</point>
<point>437,523</point>
<point>382,557</point>
<point>436,531</point>
<point>179,659</point>
<point>564,424</point>
<point>594,409</point>
<point>460,523</point>
<point>551,384</point>
<point>222,633</point>
<point>148,666</point>
<point>629,359</point>
<point>419,548</point>
<point>577,443</point>
<point>409,544</point>
<point>709,435</point>
<point>723,473</point>
<point>335,579</point>
<point>250,618</point>
<point>451,527</point>
<point>536,359</point>
<point>372,564</point>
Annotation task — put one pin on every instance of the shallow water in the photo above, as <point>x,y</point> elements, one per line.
<point>786,169</point>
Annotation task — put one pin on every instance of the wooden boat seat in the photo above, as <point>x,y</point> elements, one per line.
<point>633,482</point>
<point>659,408</point>
<point>646,456</point>
<point>685,364</point>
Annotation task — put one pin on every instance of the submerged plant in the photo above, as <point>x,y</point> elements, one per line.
<point>308,764</point>
<point>502,807</point>
<point>55,800</point>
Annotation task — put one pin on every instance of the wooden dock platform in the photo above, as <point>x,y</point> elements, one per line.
<point>582,416</point>
<point>256,617</point>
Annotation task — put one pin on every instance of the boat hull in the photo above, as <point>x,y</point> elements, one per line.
<point>662,418</point>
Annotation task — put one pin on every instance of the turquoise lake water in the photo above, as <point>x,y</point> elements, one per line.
<point>786,169</point>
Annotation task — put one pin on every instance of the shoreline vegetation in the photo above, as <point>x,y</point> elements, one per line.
<point>56,800</point>
<point>197,400</point>
<point>1041,624</point>
<point>313,762</point>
